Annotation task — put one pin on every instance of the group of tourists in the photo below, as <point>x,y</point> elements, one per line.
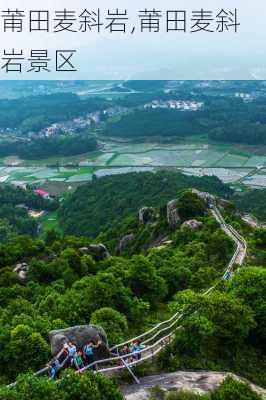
<point>227,275</point>
<point>134,350</point>
<point>70,357</point>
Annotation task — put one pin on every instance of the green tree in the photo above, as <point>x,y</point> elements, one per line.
<point>8,277</point>
<point>190,206</point>
<point>51,237</point>
<point>212,324</point>
<point>249,285</point>
<point>6,231</point>
<point>113,322</point>
<point>27,349</point>
<point>73,259</point>
<point>232,389</point>
<point>82,387</point>
<point>91,293</point>
<point>176,277</point>
<point>145,281</point>
<point>70,387</point>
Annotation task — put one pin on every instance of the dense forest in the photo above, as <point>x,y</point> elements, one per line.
<point>95,207</point>
<point>156,123</point>
<point>66,287</point>
<point>253,202</point>
<point>222,119</point>
<point>61,145</point>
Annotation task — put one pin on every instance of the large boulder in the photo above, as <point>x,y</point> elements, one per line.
<point>173,217</point>
<point>79,335</point>
<point>147,215</point>
<point>192,224</point>
<point>97,251</point>
<point>124,242</point>
<point>21,270</point>
<point>205,196</point>
<point>159,241</point>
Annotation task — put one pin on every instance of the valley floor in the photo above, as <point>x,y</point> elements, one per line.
<point>240,167</point>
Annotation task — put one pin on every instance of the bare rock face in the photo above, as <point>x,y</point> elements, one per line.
<point>79,335</point>
<point>147,215</point>
<point>124,242</point>
<point>21,270</point>
<point>205,196</point>
<point>192,224</point>
<point>98,251</point>
<point>173,217</point>
<point>196,381</point>
<point>160,242</point>
<point>84,250</point>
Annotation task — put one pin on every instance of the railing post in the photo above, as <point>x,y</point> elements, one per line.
<point>130,371</point>
<point>152,354</point>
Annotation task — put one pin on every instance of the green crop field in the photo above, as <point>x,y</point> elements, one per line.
<point>120,157</point>
<point>49,221</point>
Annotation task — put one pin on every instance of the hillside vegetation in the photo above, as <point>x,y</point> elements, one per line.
<point>37,112</point>
<point>100,204</point>
<point>61,145</point>
<point>153,123</point>
<point>223,119</point>
<point>14,217</point>
<point>67,287</point>
<point>253,202</point>
<point>165,268</point>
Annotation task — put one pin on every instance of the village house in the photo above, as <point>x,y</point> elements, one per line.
<point>42,193</point>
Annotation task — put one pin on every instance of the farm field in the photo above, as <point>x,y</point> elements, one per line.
<point>61,174</point>
<point>257,180</point>
<point>49,221</point>
<point>225,174</point>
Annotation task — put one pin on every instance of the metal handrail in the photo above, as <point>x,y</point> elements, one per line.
<point>241,244</point>
<point>231,263</point>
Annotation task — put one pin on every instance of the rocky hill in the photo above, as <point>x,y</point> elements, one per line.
<point>103,203</point>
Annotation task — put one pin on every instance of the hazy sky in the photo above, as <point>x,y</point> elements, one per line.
<point>148,51</point>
